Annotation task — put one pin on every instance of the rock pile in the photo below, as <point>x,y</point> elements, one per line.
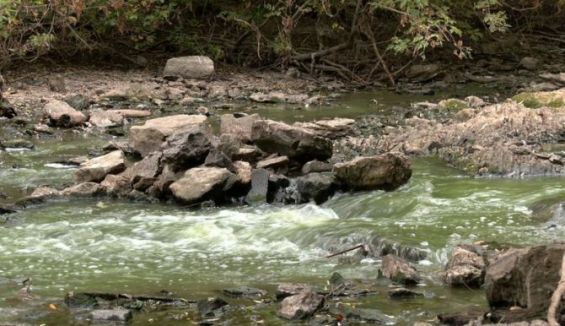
<point>179,158</point>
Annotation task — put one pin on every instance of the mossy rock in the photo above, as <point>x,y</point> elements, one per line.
<point>453,104</point>
<point>536,100</point>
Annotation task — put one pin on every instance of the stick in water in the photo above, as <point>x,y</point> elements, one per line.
<point>346,250</point>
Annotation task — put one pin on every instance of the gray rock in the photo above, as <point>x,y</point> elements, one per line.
<point>386,171</point>
<point>105,119</point>
<point>97,168</point>
<point>288,289</point>
<point>316,166</point>
<point>217,158</point>
<point>524,277</point>
<point>300,306</point>
<point>333,128</point>
<point>187,148</point>
<point>278,97</point>
<point>466,268</point>
<point>209,307</point>
<point>189,67</point>
<point>259,186</point>
<point>149,136</point>
<point>399,270</point>
<point>245,292</point>
<point>241,127</point>
<point>297,143</point>
<point>200,184</point>
<point>279,164</point>
<point>78,102</point>
<point>423,72</point>
<point>117,184</point>
<point>529,63</point>
<point>60,114</point>
<point>119,315</point>
<point>403,293</point>
<point>85,189</point>
<point>144,173</point>
<point>318,187</point>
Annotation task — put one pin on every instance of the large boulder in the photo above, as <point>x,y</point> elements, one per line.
<point>240,127</point>
<point>386,171</point>
<point>148,137</point>
<point>145,172</point>
<point>466,267</point>
<point>524,277</point>
<point>204,183</point>
<point>189,67</point>
<point>187,148</point>
<point>61,114</point>
<point>300,306</point>
<point>297,143</point>
<point>399,270</point>
<point>97,168</point>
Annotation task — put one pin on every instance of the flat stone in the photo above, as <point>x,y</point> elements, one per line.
<point>275,163</point>
<point>97,168</point>
<point>149,136</point>
<point>199,184</point>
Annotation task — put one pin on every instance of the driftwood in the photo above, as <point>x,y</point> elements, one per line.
<point>361,246</point>
<point>556,297</point>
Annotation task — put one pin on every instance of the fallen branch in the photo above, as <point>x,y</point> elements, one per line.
<point>556,297</point>
<point>361,246</point>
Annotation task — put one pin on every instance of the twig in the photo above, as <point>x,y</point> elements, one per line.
<point>556,297</point>
<point>346,251</point>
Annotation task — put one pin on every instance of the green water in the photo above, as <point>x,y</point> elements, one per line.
<point>112,246</point>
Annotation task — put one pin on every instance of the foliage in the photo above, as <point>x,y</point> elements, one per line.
<point>268,30</point>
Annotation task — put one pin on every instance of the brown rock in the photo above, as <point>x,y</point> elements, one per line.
<point>465,268</point>
<point>97,168</point>
<point>241,127</point>
<point>399,270</point>
<point>199,184</point>
<point>61,114</point>
<point>300,306</point>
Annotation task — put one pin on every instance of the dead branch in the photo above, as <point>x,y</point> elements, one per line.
<point>361,246</point>
<point>556,297</point>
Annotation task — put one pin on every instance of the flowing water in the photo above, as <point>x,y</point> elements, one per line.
<point>112,246</point>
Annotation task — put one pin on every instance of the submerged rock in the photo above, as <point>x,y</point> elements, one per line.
<point>149,136</point>
<point>85,189</point>
<point>289,289</point>
<point>60,114</point>
<point>244,291</point>
<point>300,306</point>
<point>387,172</point>
<point>111,315</point>
<point>209,307</point>
<point>399,270</point>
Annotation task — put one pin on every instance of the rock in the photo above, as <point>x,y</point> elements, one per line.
<point>44,193</point>
<point>117,184</point>
<point>300,306</point>
<point>461,318</point>
<point>259,186</point>
<point>241,127</point>
<point>403,293</point>
<point>167,177</point>
<point>466,268</point>
<point>247,153</point>
<point>386,171</point>
<point>60,114</point>
<point>6,110</point>
<point>144,173</point>
<point>244,291</point>
<point>524,277</point>
<point>187,148</point>
<point>316,166</point>
<point>243,171</point>
<point>278,97</point>
<point>423,73</point>
<point>105,119</point>
<point>208,307</point>
<point>189,67</point>
<point>529,63</point>
<point>56,84</point>
<point>149,136</point>
<point>464,115</point>
<point>333,129</point>
<point>200,184</point>
<point>217,158</point>
<point>85,189</point>
<point>115,315</point>
<point>279,191</point>
<point>399,270</point>
<point>229,144</point>
<point>288,289</point>
<point>17,144</point>
<point>297,143</point>
<point>318,187</point>
<point>279,164</point>
<point>475,101</point>
<point>78,102</point>
<point>97,168</point>
<point>368,316</point>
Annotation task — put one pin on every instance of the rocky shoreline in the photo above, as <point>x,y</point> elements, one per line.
<point>249,160</point>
